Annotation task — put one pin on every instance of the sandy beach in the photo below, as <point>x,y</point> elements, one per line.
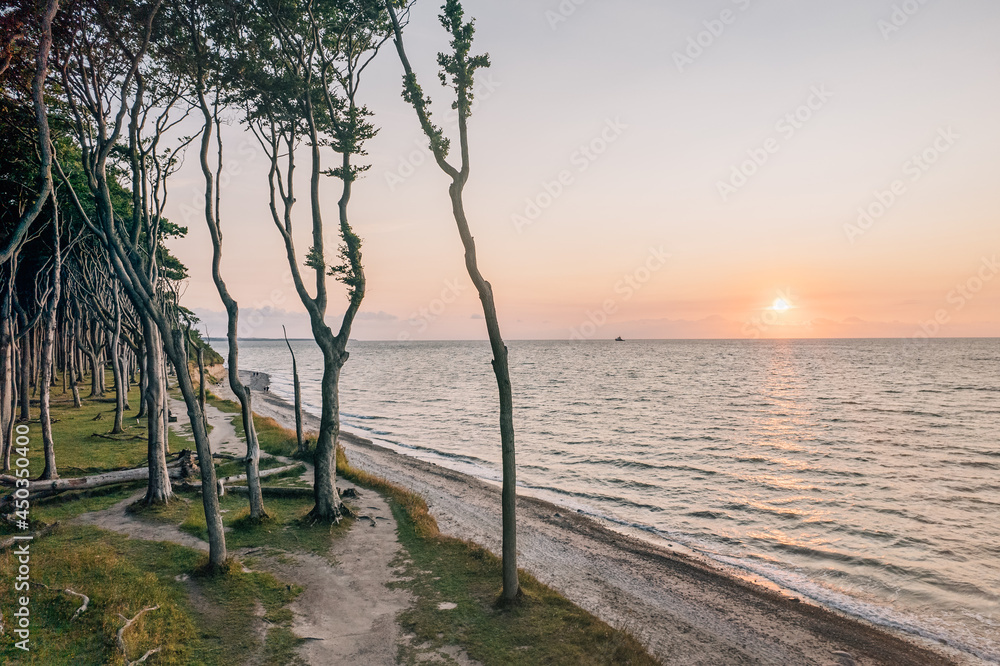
<point>685,610</point>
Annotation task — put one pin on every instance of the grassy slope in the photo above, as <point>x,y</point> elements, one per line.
<point>122,575</point>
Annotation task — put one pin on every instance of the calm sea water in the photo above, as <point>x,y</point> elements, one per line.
<point>863,474</point>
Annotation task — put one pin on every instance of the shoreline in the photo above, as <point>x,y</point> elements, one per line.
<point>684,607</point>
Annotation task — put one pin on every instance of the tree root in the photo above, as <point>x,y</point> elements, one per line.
<point>121,634</point>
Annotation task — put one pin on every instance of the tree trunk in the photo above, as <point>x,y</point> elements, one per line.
<point>212,219</point>
<point>299,435</point>
<point>120,388</point>
<point>143,363</point>
<point>95,481</point>
<point>511,586</point>
<point>328,504</point>
<point>6,385</point>
<point>48,353</point>
<point>216,534</point>
<point>25,363</point>
<point>465,68</point>
<point>201,383</point>
<point>158,491</point>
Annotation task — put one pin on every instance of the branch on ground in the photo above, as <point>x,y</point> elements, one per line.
<point>121,635</point>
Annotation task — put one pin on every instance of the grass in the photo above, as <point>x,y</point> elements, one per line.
<point>237,617</point>
<point>85,444</point>
<point>284,530</point>
<point>201,620</point>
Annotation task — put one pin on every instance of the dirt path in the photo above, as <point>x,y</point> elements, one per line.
<point>117,519</point>
<point>347,613</point>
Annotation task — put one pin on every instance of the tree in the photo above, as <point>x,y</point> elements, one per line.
<point>299,436</point>
<point>301,84</point>
<point>458,70</point>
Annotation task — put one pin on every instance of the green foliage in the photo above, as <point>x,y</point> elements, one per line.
<point>212,357</point>
<point>458,67</point>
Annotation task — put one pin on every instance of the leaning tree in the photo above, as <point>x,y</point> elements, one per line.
<point>458,70</point>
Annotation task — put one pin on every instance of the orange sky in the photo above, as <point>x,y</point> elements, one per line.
<point>597,150</point>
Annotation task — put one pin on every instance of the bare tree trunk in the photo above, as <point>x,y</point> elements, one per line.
<point>158,490</point>
<point>48,349</point>
<point>120,388</point>
<point>210,498</point>
<point>25,366</point>
<point>328,504</point>
<point>299,435</point>
<point>6,380</point>
<point>213,220</point>
<point>143,364</point>
<point>201,380</point>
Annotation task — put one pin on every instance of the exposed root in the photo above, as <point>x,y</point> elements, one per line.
<point>121,634</point>
<point>81,609</point>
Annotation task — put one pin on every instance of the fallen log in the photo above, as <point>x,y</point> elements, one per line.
<point>264,473</point>
<point>98,480</point>
<point>221,483</point>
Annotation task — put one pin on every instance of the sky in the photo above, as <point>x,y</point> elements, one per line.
<point>669,169</point>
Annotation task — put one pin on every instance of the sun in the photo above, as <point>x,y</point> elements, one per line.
<point>781,305</point>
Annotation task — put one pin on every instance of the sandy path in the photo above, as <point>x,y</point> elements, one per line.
<point>683,610</point>
<point>346,613</point>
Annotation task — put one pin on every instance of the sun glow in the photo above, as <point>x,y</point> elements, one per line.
<point>781,305</point>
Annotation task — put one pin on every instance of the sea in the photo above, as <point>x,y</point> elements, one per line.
<point>863,475</point>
